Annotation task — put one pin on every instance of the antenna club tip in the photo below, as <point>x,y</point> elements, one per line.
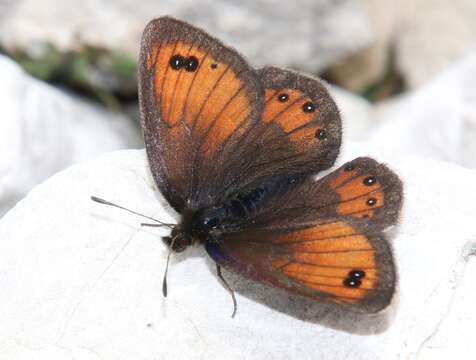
<point>96,199</point>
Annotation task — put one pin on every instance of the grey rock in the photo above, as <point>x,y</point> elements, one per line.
<point>43,130</point>
<point>308,34</point>
<point>369,66</point>
<point>431,35</point>
<point>437,121</point>
<point>84,280</point>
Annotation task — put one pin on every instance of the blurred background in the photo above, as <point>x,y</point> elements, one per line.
<point>402,71</point>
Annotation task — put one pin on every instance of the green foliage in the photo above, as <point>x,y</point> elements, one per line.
<point>103,74</point>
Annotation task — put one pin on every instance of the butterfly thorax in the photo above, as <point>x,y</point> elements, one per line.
<point>208,224</point>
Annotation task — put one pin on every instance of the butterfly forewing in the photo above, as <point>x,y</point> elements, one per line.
<point>299,131</point>
<point>213,126</point>
<point>299,112</point>
<point>195,93</point>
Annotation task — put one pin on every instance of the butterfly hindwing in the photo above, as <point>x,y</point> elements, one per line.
<point>314,241</point>
<point>362,190</point>
<point>317,261</point>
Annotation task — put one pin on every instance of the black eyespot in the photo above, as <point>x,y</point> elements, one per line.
<point>177,62</point>
<point>369,181</point>
<point>371,201</point>
<point>283,97</point>
<point>352,282</point>
<point>320,134</point>
<point>191,63</point>
<point>308,107</point>
<point>356,274</point>
<point>214,66</point>
<point>348,167</point>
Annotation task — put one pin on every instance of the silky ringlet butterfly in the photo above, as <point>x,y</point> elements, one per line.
<point>234,151</point>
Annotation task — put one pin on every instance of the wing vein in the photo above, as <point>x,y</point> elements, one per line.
<point>354,177</point>
<point>272,96</point>
<point>333,266</point>
<point>325,284</point>
<point>210,92</point>
<point>165,78</point>
<point>215,119</point>
<point>320,207</point>
<point>197,145</point>
<point>336,251</point>
<point>193,79</point>
<point>287,107</point>
<point>179,77</point>
<point>305,241</point>
<point>321,275</point>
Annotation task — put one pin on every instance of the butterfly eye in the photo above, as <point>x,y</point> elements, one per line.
<point>191,63</point>
<point>321,134</point>
<point>308,107</point>
<point>177,62</point>
<point>283,97</point>
<point>369,181</point>
<point>371,201</point>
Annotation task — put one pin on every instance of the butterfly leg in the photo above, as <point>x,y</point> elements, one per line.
<point>228,287</point>
<point>164,281</point>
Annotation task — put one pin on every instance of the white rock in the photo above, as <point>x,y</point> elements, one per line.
<point>83,281</point>
<point>369,66</point>
<point>437,121</point>
<point>431,35</point>
<point>356,112</point>
<point>308,34</point>
<point>43,130</point>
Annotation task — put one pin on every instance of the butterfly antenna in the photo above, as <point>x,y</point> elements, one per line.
<point>228,287</point>
<point>159,223</point>
<point>164,282</point>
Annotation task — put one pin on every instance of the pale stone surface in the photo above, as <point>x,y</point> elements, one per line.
<point>437,121</point>
<point>426,36</point>
<point>368,66</point>
<point>307,34</point>
<point>357,113</point>
<point>83,281</point>
<point>432,34</point>
<point>43,130</point>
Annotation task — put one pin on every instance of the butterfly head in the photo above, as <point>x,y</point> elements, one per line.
<point>178,240</point>
<point>196,227</point>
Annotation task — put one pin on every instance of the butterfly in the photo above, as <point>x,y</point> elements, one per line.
<point>235,151</point>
